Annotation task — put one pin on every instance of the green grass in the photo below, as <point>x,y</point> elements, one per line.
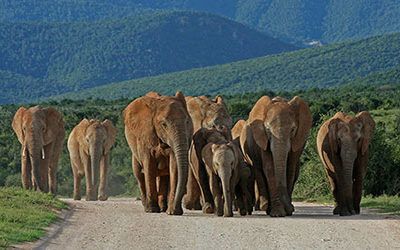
<point>383,203</point>
<point>24,215</point>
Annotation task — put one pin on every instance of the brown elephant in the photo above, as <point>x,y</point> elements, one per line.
<point>222,163</point>
<point>41,133</point>
<point>205,113</point>
<point>159,131</point>
<point>272,141</point>
<point>247,177</point>
<point>89,146</point>
<point>342,145</point>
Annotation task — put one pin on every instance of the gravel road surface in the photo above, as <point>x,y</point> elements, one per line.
<point>122,224</point>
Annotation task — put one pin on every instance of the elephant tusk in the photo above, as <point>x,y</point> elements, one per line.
<point>43,155</point>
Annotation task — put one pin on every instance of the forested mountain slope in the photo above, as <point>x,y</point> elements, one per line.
<point>292,20</point>
<point>374,60</point>
<point>43,59</point>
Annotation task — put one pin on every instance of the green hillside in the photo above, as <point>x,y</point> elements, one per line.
<point>376,58</point>
<point>43,59</point>
<point>297,21</point>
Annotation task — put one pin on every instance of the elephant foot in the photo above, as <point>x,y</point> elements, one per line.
<point>77,197</point>
<point>103,197</point>
<point>242,212</point>
<point>176,211</point>
<point>336,210</point>
<point>207,208</point>
<point>228,214</point>
<point>345,213</point>
<point>357,211</point>
<point>192,205</point>
<point>277,211</point>
<point>153,209</point>
<point>289,209</point>
<point>90,198</point>
<point>263,204</point>
<point>219,212</point>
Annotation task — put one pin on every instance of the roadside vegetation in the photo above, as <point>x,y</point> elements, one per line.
<point>25,214</point>
<point>383,175</point>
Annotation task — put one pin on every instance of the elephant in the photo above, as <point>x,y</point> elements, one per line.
<point>222,162</point>
<point>272,142</point>
<point>247,176</point>
<point>205,113</point>
<point>41,133</point>
<point>89,146</point>
<point>159,130</point>
<point>342,144</point>
<point>202,138</point>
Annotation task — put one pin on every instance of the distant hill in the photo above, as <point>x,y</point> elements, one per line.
<point>41,59</point>
<point>374,60</point>
<point>298,21</point>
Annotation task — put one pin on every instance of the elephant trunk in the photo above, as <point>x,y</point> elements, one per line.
<point>227,192</point>
<point>346,176</point>
<point>96,152</point>
<point>280,150</point>
<point>36,154</point>
<point>180,149</point>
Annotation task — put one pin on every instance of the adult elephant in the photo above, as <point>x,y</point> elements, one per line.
<point>41,134</point>
<point>159,130</point>
<point>342,144</point>
<point>89,147</point>
<point>205,113</point>
<point>272,141</point>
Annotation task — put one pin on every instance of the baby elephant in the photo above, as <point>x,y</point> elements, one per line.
<point>89,147</point>
<point>222,162</point>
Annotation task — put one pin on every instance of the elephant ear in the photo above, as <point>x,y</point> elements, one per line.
<point>199,141</point>
<point>259,134</point>
<point>54,125</point>
<point>368,126</point>
<point>259,109</point>
<point>17,124</point>
<point>304,122</point>
<point>333,126</point>
<point>111,134</point>
<point>237,129</point>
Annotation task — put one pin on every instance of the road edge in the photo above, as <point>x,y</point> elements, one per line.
<point>51,231</point>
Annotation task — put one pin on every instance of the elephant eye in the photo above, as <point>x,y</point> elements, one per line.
<point>164,124</point>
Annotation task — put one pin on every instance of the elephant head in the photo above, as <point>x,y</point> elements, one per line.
<point>348,139</point>
<point>223,160</point>
<point>98,138</point>
<point>281,127</point>
<point>208,113</point>
<point>37,127</point>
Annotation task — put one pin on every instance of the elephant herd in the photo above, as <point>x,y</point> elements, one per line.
<point>184,149</point>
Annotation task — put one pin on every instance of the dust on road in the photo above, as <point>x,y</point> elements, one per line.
<point>122,224</point>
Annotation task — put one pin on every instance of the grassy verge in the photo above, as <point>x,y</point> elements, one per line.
<point>24,215</point>
<point>382,204</point>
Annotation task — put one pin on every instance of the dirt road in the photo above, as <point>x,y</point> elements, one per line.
<point>122,224</point>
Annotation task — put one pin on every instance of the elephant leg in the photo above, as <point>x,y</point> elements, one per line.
<point>77,186</point>
<point>276,206</point>
<point>26,169</point>
<point>149,168</point>
<point>293,171</point>
<point>200,174</point>
<point>334,190</point>
<point>103,178</point>
<point>53,164</point>
<point>173,181</point>
<point>359,174</point>
<point>163,192</point>
<point>192,197</point>
<point>217,194</point>
<point>137,171</point>
<point>88,177</point>
<point>262,190</point>
<point>240,199</point>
